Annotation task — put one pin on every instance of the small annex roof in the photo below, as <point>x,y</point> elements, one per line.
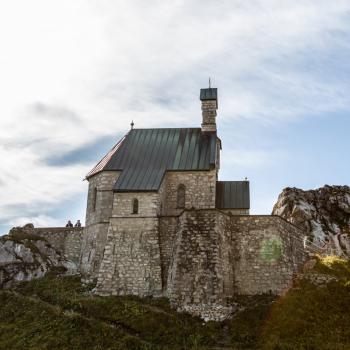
<point>232,195</point>
<point>144,155</point>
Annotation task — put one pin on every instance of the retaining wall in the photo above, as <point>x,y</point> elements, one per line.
<point>66,240</point>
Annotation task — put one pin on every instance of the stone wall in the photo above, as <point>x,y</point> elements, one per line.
<point>216,255</point>
<point>235,211</point>
<point>195,273</point>
<point>200,193</point>
<point>268,253</point>
<point>67,241</point>
<point>200,256</point>
<point>168,228</point>
<point>209,108</point>
<point>200,190</point>
<point>104,183</point>
<point>97,222</point>
<point>131,262</point>
<point>93,244</point>
<point>149,203</point>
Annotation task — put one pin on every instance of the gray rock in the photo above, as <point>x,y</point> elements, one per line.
<point>323,213</point>
<point>25,256</point>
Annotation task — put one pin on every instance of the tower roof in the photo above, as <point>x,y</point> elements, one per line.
<point>209,94</point>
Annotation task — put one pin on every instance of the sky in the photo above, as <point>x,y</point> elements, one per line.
<point>74,74</point>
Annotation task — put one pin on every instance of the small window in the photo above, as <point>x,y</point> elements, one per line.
<point>135,206</point>
<point>94,199</point>
<point>181,196</point>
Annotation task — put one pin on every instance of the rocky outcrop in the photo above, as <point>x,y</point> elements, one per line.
<point>25,256</point>
<point>324,214</point>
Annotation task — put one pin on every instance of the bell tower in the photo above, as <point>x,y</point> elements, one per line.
<point>209,98</point>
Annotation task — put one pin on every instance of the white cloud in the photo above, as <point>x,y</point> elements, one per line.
<point>37,221</point>
<point>73,71</point>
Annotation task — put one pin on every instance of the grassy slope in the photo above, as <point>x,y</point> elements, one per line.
<point>57,313</point>
<point>313,318</point>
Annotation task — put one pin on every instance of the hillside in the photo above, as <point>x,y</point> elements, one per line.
<point>323,213</point>
<point>57,312</point>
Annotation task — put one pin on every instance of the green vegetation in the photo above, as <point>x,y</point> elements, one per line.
<point>310,317</point>
<point>334,266</point>
<point>19,236</point>
<point>57,312</point>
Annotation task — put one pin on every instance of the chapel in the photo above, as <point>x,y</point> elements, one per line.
<point>159,222</point>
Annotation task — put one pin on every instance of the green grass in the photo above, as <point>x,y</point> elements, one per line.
<point>26,324</point>
<point>58,312</point>
<point>48,313</point>
<point>313,318</point>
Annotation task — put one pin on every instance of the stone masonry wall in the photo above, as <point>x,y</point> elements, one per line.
<point>168,228</point>
<point>200,190</point>
<point>131,262</point>
<point>268,252</point>
<point>200,257</point>
<point>216,255</point>
<point>104,183</point>
<point>235,211</point>
<point>148,204</point>
<point>97,222</point>
<point>67,241</point>
<point>195,272</point>
<point>93,244</point>
<point>209,108</point>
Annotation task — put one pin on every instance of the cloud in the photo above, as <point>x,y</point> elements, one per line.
<point>38,221</point>
<point>73,73</point>
<point>33,187</point>
<point>87,154</point>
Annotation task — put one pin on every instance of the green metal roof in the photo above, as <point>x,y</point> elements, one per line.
<point>209,94</point>
<point>144,156</point>
<point>232,195</point>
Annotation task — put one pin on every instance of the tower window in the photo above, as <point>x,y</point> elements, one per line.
<point>181,196</point>
<point>94,199</point>
<point>135,206</point>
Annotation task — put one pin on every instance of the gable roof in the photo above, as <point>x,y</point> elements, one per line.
<point>232,195</point>
<point>104,161</point>
<point>144,155</point>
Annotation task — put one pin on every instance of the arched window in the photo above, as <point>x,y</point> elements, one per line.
<point>181,196</point>
<point>94,199</point>
<point>135,206</point>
